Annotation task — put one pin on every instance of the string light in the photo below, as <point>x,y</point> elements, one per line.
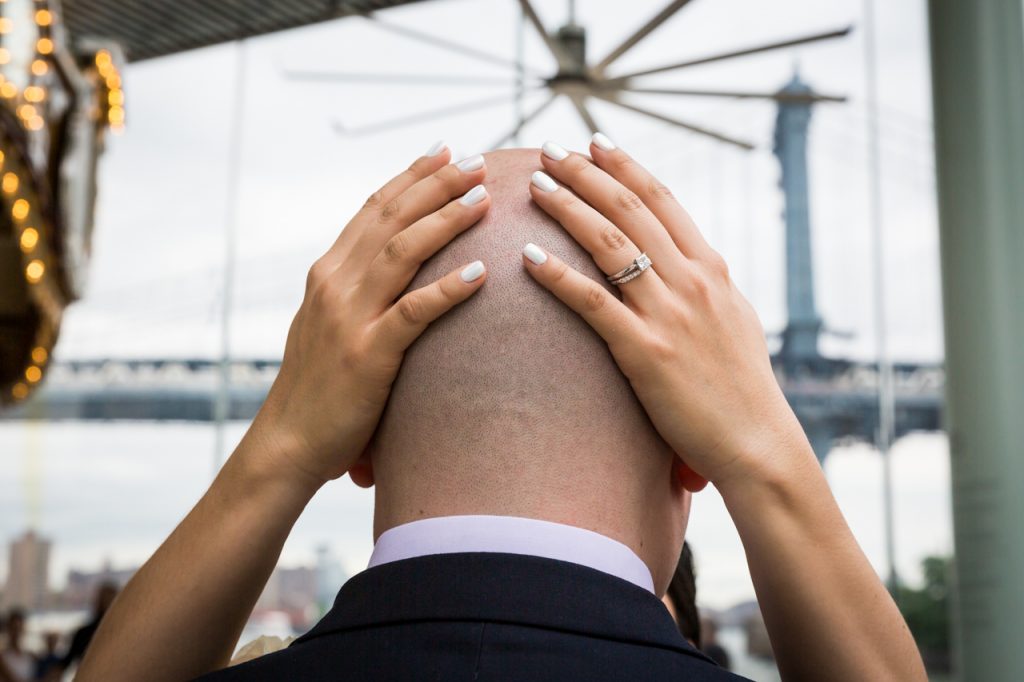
<point>115,95</point>
<point>29,239</point>
<point>31,106</point>
<point>34,271</point>
<point>20,209</point>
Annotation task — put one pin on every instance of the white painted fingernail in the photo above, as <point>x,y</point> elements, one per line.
<point>543,181</point>
<point>534,253</point>
<point>601,141</point>
<point>436,148</point>
<point>473,196</point>
<point>472,271</point>
<point>554,151</point>
<point>472,163</point>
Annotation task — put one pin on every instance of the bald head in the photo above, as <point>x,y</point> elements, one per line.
<point>511,404</point>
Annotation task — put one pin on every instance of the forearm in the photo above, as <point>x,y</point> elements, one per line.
<point>182,613</point>
<point>827,613</point>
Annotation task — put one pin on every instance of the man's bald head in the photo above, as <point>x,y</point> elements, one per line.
<point>511,404</point>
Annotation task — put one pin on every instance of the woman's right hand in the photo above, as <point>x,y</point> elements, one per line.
<point>689,342</point>
<point>349,337</point>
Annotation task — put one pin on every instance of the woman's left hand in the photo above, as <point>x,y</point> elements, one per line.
<point>688,341</point>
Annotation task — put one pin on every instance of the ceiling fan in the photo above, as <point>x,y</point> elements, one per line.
<point>575,78</point>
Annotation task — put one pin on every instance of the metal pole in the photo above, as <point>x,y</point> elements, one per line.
<point>886,399</point>
<point>977,51</point>
<point>235,140</point>
<point>520,75</point>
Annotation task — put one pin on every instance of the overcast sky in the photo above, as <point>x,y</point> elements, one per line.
<point>156,281</point>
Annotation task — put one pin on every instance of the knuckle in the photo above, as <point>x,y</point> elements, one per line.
<point>658,190</point>
<point>374,200</point>
<point>700,288</point>
<point>448,212</point>
<point>628,200</point>
<point>718,265</point>
<point>389,212</point>
<point>396,249</point>
<point>317,274</point>
<point>448,179</point>
<point>568,201</point>
<point>577,163</point>
<point>612,237</point>
<point>559,272</point>
<point>594,299</point>
<point>411,310</point>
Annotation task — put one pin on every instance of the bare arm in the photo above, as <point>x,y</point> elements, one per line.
<point>828,614</point>
<point>182,613</point>
<point>694,352</point>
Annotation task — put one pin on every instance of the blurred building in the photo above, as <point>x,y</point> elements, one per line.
<point>28,573</point>
<point>81,588</point>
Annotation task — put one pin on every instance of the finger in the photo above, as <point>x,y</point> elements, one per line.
<point>609,317</point>
<point>656,196</point>
<point>402,255</point>
<point>422,198</point>
<point>610,248</point>
<point>437,156</point>
<point>617,203</point>
<point>405,321</point>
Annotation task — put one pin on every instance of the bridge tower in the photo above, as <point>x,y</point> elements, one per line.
<point>803,326</point>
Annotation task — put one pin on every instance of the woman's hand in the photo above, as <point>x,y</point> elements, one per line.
<point>689,342</point>
<point>348,339</point>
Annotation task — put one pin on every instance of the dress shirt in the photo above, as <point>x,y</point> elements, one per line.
<point>511,535</point>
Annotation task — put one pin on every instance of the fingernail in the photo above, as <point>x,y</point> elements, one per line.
<point>554,151</point>
<point>601,141</point>
<point>472,163</point>
<point>543,181</point>
<point>472,271</point>
<point>534,253</point>
<point>436,148</point>
<point>473,196</point>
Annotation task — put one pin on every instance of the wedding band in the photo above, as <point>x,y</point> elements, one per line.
<point>631,271</point>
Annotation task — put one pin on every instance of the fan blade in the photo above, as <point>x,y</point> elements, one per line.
<point>641,33</point>
<point>580,102</point>
<point>793,97</point>
<point>682,124</point>
<point>737,53</point>
<point>520,124</point>
<point>393,78</point>
<point>450,45</point>
<point>428,115</point>
<point>553,46</point>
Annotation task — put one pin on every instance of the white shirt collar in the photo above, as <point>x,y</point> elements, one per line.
<point>511,535</point>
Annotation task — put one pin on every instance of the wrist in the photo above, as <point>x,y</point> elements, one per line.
<point>268,458</point>
<point>779,462</point>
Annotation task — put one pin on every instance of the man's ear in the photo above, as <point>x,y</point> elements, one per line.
<point>361,472</point>
<point>687,477</point>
